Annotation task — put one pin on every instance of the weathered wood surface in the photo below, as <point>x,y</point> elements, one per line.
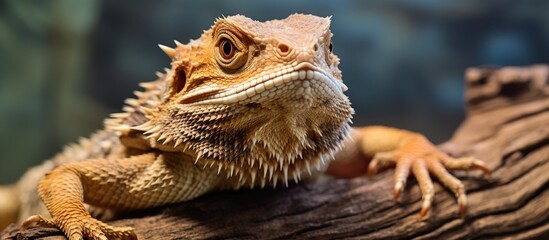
<point>507,126</point>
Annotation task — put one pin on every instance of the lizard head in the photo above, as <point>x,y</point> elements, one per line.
<point>254,96</point>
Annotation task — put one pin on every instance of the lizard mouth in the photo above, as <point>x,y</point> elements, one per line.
<point>302,79</point>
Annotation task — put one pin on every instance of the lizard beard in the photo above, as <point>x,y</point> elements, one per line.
<point>258,143</point>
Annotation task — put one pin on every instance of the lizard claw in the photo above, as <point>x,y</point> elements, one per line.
<point>83,228</point>
<point>462,202</point>
<point>397,191</point>
<point>424,210</point>
<point>37,220</point>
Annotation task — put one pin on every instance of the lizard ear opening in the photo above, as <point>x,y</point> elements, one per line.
<point>178,81</point>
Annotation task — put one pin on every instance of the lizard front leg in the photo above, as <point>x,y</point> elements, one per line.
<point>374,148</point>
<point>137,182</point>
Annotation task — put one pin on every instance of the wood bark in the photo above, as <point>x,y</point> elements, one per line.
<point>507,125</point>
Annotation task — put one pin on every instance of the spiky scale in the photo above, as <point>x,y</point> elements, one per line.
<point>265,172</point>
<point>253,174</point>
<point>167,50</point>
<point>286,175</point>
<point>119,115</point>
<point>162,136</point>
<point>275,180</point>
<point>168,140</point>
<point>271,169</point>
<point>178,44</point>
<point>308,167</point>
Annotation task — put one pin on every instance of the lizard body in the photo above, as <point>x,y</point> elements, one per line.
<point>248,104</point>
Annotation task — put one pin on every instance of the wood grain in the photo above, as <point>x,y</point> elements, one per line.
<point>507,126</point>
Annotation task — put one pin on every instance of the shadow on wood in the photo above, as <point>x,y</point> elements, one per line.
<point>507,126</point>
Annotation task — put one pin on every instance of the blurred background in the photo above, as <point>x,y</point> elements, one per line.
<point>66,64</point>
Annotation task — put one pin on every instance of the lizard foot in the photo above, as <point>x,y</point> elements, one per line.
<point>423,159</point>
<point>83,228</point>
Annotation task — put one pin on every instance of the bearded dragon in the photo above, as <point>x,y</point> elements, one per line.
<point>247,105</point>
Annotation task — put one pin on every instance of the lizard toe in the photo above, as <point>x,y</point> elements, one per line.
<point>37,220</point>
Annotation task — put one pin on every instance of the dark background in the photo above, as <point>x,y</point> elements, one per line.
<point>66,64</point>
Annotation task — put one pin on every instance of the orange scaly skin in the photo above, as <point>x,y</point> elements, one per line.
<point>248,104</point>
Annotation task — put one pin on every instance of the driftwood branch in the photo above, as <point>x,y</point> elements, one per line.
<point>507,126</point>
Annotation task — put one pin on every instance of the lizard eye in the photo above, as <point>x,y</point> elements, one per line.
<point>231,51</point>
<point>227,49</point>
<point>331,47</point>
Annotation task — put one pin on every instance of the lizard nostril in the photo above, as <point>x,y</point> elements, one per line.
<point>315,47</point>
<point>283,48</point>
